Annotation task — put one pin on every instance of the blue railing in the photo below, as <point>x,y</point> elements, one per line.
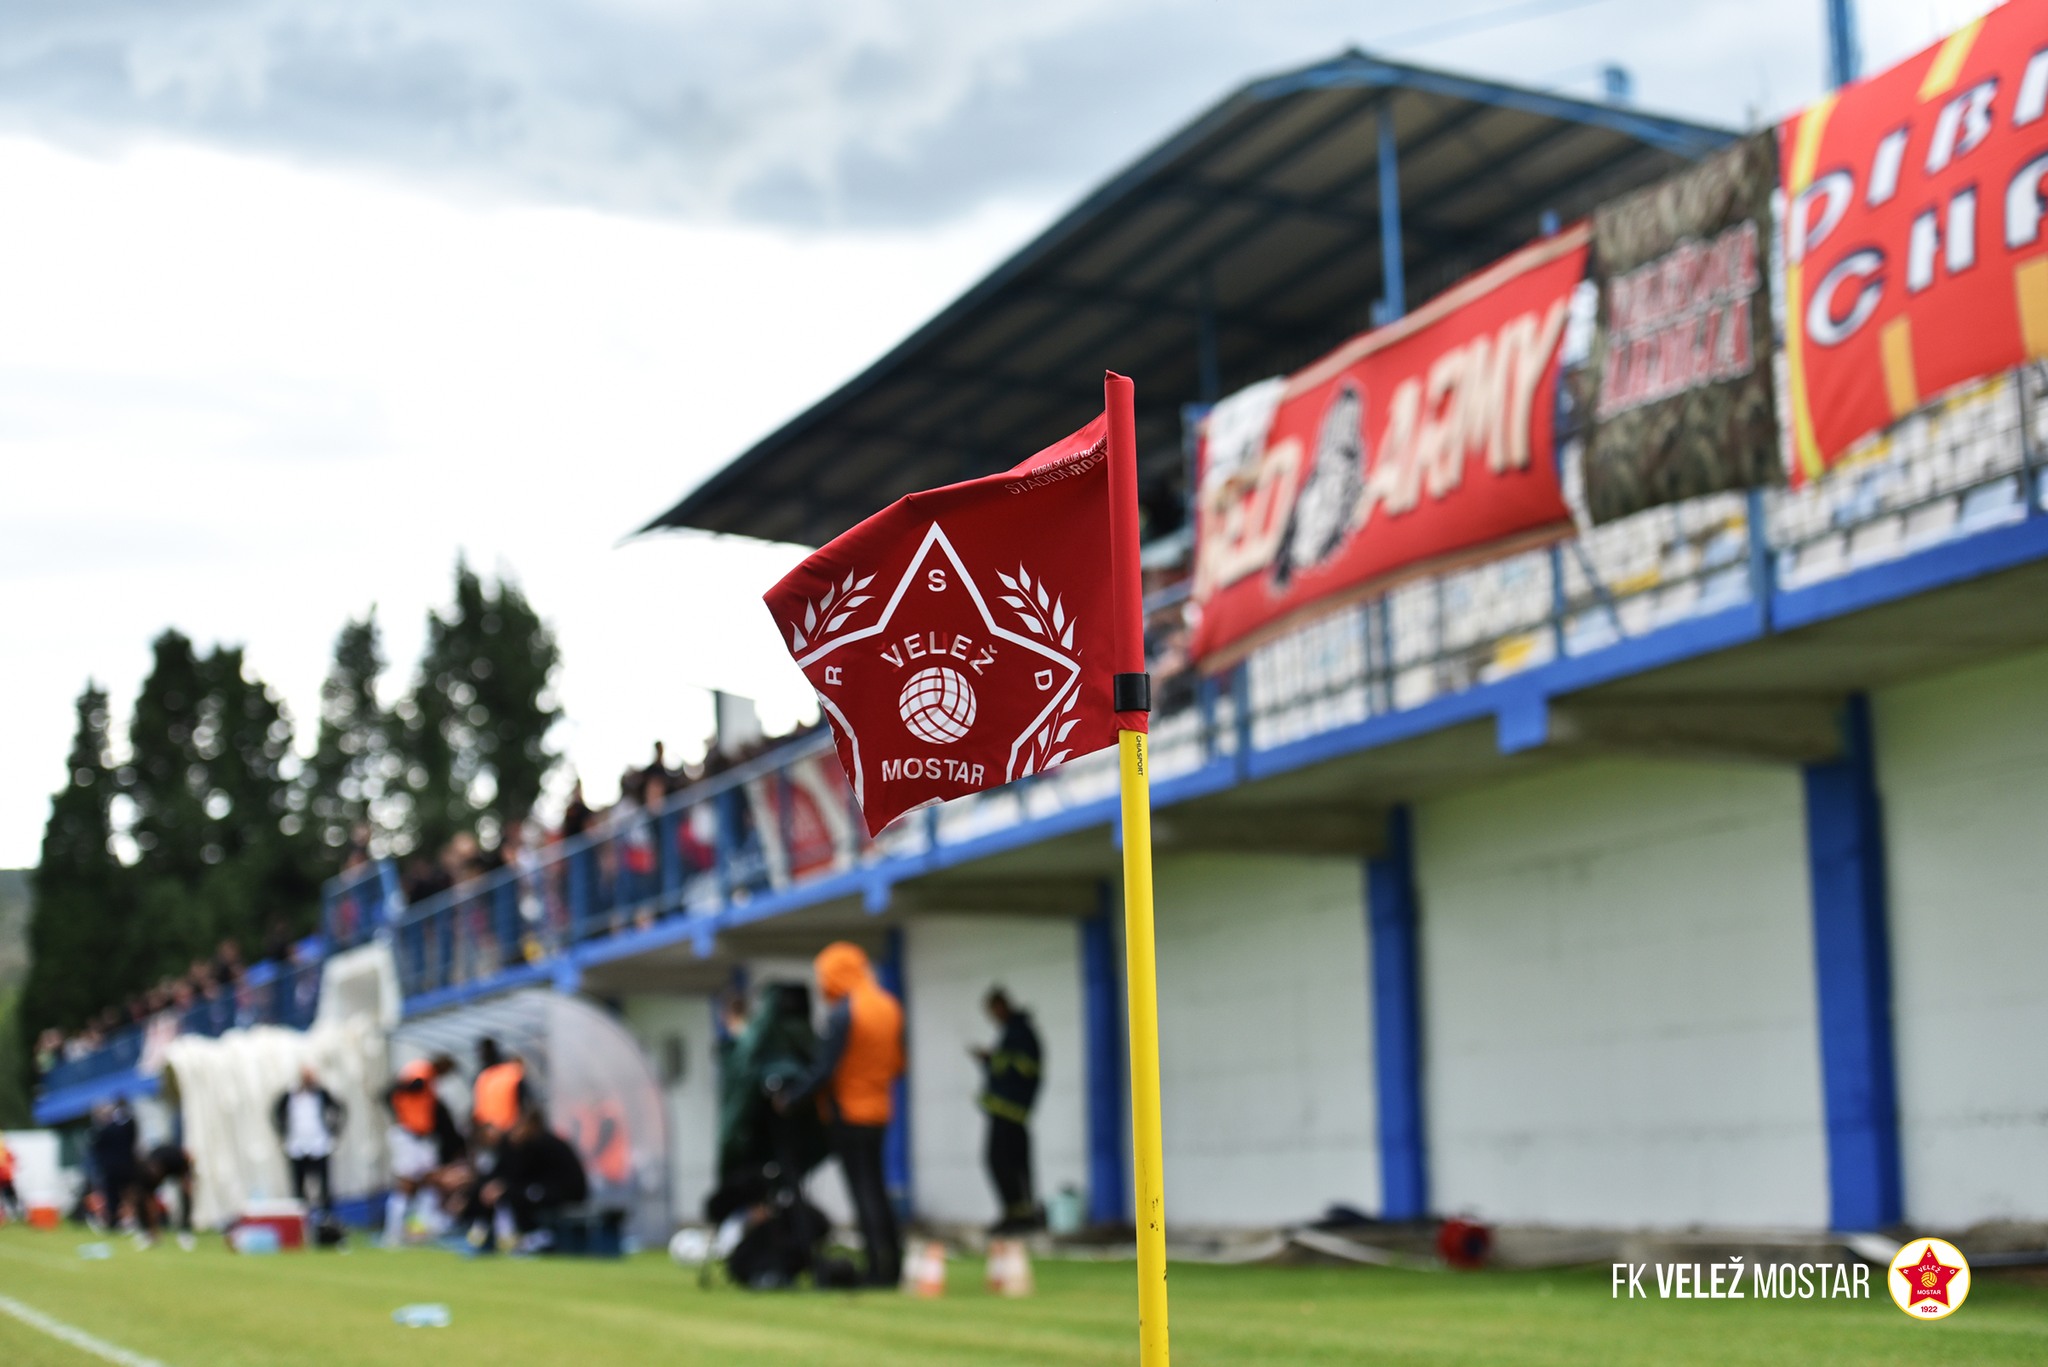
<point>268,993</point>
<point>778,819</point>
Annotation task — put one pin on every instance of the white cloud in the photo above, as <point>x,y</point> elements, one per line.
<point>248,401</point>
<point>852,111</point>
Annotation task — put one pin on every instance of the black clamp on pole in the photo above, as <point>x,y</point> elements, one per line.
<point>1130,693</point>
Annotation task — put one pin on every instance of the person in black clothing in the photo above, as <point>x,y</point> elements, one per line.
<point>538,1174</point>
<point>170,1163</point>
<point>113,1143</point>
<point>308,1120</point>
<point>1010,1075</point>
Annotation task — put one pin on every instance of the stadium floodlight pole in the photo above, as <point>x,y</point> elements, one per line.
<point>1131,696</point>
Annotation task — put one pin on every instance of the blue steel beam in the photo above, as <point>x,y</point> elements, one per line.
<point>1393,270</point>
<point>1845,54</point>
<point>1853,983</point>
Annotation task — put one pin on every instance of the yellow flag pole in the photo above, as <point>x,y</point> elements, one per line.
<point>1142,986</point>
<point>1131,699</point>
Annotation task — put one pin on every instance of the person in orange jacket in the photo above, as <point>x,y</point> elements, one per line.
<point>860,1056</point>
<point>10,1200</point>
<point>422,1141</point>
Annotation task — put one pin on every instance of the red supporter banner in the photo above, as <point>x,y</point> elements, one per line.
<point>963,637</point>
<point>1914,256</point>
<point>1406,449</point>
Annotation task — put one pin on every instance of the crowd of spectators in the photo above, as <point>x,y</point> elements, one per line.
<point>610,880</point>
<point>214,994</point>
<point>598,871</point>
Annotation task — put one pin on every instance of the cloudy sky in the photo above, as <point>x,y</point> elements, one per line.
<point>299,300</point>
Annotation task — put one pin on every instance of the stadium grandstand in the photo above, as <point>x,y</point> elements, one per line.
<point>1673,874</point>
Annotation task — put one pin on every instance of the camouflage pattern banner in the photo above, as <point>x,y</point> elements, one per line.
<point>1680,385</point>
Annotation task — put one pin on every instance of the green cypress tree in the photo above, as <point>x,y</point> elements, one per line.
<point>268,864</point>
<point>477,720</point>
<point>83,898</point>
<point>224,848</point>
<point>356,776</point>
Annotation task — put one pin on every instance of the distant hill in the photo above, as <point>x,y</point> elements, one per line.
<point>13,926</point>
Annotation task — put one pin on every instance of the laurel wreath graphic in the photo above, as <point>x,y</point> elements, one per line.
<point>833,609</point>
<point>1045,615</point>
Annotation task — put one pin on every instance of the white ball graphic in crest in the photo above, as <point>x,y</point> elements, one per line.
<point>937,705</point>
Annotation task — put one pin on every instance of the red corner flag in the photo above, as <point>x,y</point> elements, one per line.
<point>967,636</point>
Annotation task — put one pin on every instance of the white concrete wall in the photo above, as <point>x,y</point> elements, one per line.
<point>950,963</point>
<point>1265,1039</point>
<point>692,1098</point>
<point>1962,765</point>
<point>1618,998</point>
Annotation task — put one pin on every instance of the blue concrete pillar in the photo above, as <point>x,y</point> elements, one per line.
<point>1397,1023</point>
<point>1102,1042</point>
<point>1853,981</point>
<point>896,1142</point>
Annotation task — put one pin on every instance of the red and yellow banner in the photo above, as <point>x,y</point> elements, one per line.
<point>1405,449</point>
<point>1914,244</point>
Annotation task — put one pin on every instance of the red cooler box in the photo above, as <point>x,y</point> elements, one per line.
<point>286,1221</point>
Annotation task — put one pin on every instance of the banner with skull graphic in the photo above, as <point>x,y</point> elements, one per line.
<point>1405,449</point>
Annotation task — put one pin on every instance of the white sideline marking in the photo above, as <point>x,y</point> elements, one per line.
<point>77,1338</point>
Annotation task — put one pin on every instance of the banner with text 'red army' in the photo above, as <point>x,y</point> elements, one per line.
<point>1680,387</point>
<point>1914,252</point>
<point>1405,449</point>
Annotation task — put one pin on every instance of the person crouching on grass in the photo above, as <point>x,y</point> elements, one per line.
<point>538,1176</point>
<point>859,1060</point>
<point>424,1144</point>
<point>171,1163</point>
<point>498,1100</point>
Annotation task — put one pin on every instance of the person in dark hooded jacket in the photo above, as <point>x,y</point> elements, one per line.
<point>1010,1077</point>
<point>759,1058</point>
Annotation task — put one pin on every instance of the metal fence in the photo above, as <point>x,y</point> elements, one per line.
<point>267,993</point>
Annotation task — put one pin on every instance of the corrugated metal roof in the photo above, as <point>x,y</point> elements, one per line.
<point>1262,214</point>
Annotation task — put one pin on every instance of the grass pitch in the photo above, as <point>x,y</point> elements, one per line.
<point>210,1308</point>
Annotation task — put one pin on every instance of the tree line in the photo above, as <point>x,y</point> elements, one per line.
<point>210,825</point>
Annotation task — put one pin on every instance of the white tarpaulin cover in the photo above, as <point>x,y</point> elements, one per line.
<point>226,1089</point>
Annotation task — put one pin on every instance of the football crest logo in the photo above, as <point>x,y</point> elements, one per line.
<point>1930,1278</point>
<point>938,705</point>
<point>985,679</point>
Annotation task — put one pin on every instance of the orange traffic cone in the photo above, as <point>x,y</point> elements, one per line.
<point>1009,1268</point>
<point>924,1270</point>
